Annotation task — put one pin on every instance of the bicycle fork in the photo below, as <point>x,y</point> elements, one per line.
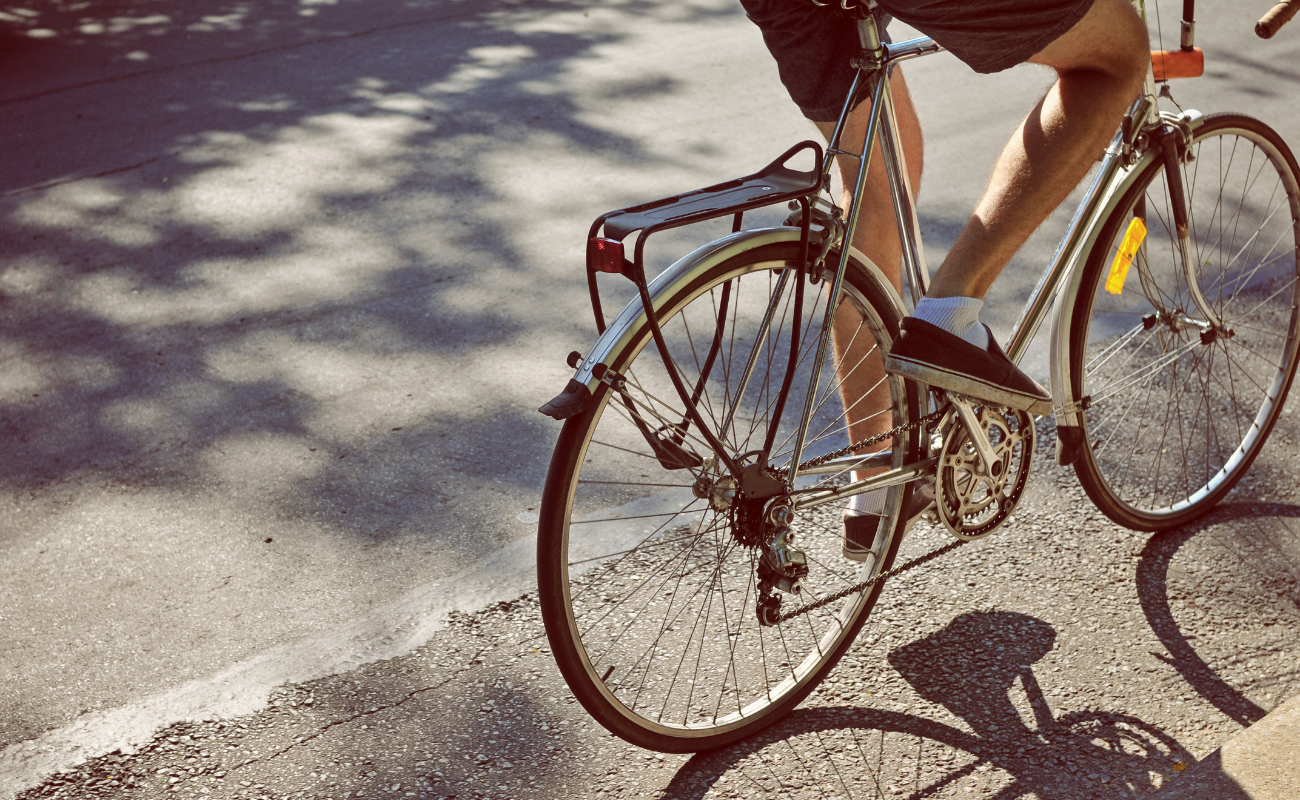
<point>1174,144</point>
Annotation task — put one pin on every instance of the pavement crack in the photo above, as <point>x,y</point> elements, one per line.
<point>369,712</point>
<point>75,178</point>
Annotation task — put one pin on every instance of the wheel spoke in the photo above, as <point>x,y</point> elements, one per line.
<point>658,591</point>
<point>1186,410</point>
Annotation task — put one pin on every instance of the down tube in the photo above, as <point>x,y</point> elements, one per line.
<point>1035,310</point>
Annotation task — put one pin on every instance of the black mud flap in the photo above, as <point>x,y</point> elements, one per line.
<point>1070,442</point>
<point>569,403</point>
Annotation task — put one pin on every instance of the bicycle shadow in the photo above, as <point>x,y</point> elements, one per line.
<point>970,668</point>
<point>1153,593</point>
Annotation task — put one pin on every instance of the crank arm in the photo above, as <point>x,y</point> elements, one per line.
<point>978,437</point>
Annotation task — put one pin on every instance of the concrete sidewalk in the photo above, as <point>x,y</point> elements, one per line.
<point>1260,763</point>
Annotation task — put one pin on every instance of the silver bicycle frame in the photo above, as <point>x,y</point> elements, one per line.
<point>1120,167</point>
<point>1104,192</point>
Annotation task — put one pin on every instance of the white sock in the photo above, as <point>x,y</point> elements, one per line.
<point>867,502</point>
<point>959,316</point>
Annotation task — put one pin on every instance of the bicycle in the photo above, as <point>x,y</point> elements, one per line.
<point>688,564</point>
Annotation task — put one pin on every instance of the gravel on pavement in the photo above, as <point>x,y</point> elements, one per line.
<point>1062,657</point>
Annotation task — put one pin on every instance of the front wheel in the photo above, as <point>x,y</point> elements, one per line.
<point>647,568</point>
<point>1176,411</point>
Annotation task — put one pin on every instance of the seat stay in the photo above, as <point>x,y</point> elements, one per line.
<point>880,100</point>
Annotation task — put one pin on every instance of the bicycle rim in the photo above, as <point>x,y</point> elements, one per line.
<point>1176,415</point>
<point>647,592</point>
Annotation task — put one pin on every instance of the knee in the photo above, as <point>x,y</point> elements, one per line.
<point>1110,42</point>
<point>1128,54</point>
<point>1134,56</point>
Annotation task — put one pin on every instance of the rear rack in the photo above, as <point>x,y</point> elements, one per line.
<point>775,183</point>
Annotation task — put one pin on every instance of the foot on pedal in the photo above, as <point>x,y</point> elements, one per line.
<point>931,355</point>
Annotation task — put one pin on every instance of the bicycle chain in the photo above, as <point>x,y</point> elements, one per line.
<point>870,440</point>
<point>867,584</point>
<point>916,562</point>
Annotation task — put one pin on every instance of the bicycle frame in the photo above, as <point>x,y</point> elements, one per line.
<point>689,600</point>
<point>1123,161</point>
<point>1131,150</point>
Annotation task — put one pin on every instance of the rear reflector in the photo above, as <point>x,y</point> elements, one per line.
<point>605,255</point>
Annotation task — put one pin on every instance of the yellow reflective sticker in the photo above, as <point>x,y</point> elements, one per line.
<point>1137,231</point>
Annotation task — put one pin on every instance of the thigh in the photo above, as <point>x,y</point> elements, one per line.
<point>1110,37</point>
<point>813,46</point>
<point>990,35</point>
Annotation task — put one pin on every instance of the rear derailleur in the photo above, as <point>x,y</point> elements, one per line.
<point>781,566</point>
<point>759,505</point>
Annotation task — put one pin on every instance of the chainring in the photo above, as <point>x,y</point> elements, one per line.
<point>970,502</point>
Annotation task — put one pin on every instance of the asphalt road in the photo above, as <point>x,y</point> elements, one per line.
<point>281,285</point>
<point>1060,658</point>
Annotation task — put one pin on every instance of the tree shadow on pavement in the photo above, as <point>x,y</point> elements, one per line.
<point>202,292</point>
<point>276,215</point>
<point>276,284</point>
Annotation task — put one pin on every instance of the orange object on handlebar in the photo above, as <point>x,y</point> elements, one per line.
<point>1168,64</point>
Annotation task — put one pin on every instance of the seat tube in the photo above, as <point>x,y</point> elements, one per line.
<point>878,103</point>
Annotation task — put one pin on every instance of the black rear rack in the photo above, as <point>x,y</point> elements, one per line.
<point>775,183</point>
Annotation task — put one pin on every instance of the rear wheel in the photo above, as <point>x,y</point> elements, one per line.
<point>1176,412</point>
<point>647,578</point>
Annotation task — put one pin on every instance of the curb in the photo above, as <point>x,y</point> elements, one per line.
<point>1260,763</point>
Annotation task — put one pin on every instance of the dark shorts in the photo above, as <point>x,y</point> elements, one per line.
<point>812,45</point>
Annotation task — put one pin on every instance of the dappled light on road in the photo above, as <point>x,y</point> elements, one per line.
<point>296,277</point>
<point>282,285</point>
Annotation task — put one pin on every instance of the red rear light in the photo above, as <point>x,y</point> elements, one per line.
<point>605,255</point>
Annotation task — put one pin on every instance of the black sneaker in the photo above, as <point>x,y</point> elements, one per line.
<point>860,529</point>
<point>931,355</point>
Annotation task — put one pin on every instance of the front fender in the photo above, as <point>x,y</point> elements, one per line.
<point>1068,413</point>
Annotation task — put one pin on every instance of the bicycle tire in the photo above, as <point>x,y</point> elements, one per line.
<point>1175,418</point>
<point>653,624</point>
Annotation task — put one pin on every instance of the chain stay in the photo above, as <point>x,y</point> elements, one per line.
<point>844,451</point>
<point>870,440</point>
<point>843,593</point>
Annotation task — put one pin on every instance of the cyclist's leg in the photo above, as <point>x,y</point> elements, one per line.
<point>813,48</point>
<point>1100,63</point>
<point>860,364</point>
<point>1100,60</point>
<point>861,371</point>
